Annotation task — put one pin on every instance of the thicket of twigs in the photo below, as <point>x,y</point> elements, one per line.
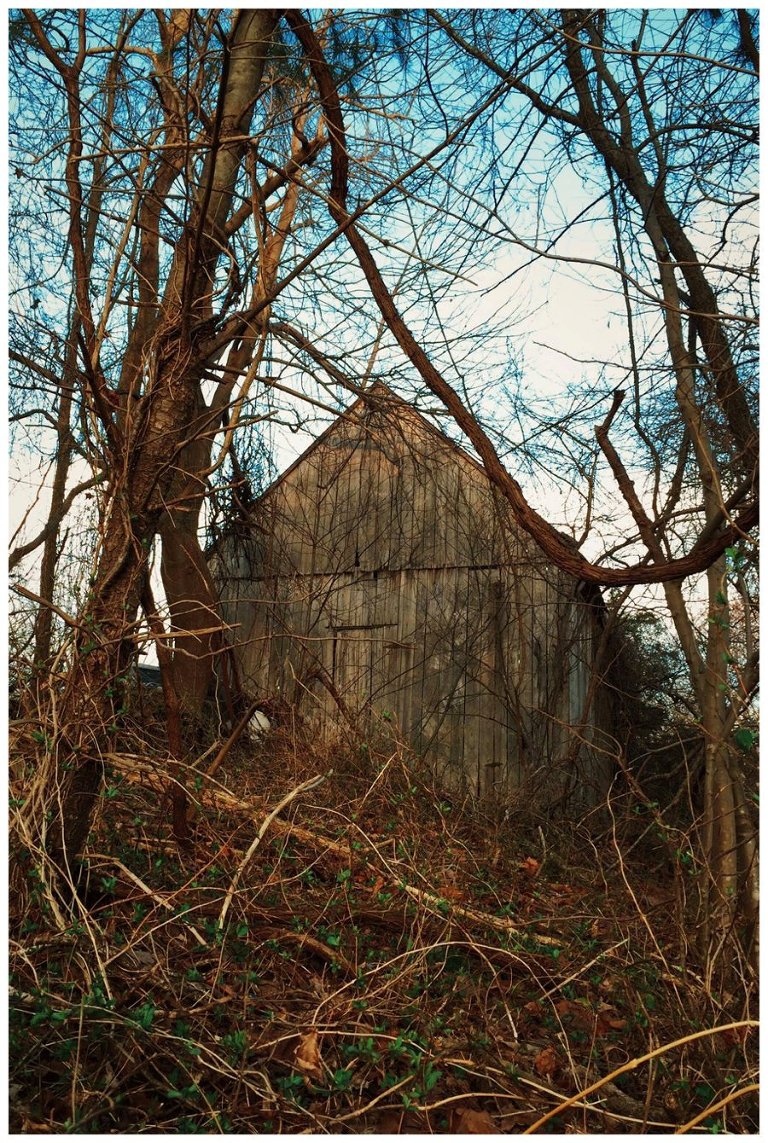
<point>376,956</point>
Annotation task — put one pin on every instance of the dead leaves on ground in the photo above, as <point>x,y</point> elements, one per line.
<point>530,867</point>
<point>307,1057</point>
<point>581,1014</point>
<point>547,1062</point>
<point>468,1121</point>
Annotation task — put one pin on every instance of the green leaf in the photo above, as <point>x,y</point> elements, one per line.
<point>745,739</point>
<point>342,1078</point>
<point>145,1015</point>
<point>431,1076</point>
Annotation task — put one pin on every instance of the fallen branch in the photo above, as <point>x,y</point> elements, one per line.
<point>217,799</point>
<point>305,941</point>
<point>302,789</point>
<point>498,923</point>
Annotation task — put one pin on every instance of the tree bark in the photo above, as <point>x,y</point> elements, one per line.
<point>147,444</point>
<point>189,588</point>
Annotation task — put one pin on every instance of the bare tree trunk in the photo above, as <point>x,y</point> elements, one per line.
<point>146,446</point>
<point>179,800</point>
<point>44,618</point>
<point>43,622</point>
<point>189,588</point>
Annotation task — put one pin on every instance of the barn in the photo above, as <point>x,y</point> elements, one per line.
<point>382,582</point>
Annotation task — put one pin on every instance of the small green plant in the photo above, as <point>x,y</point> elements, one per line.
<point>235,1044</point>
<point>189,1126</point>
<point>406,1047</point>
<point>342,1079</point>
<point>330,938</point>
<point>213,931</point>
<point>428,1078</point>
<point>291,1086</point>
<point>145,1015</point>
<point>189,1091</point>
<point>47,1015</point>
<point>364,1049</point>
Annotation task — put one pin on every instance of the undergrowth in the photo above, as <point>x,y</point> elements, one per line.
<point>390,959</point>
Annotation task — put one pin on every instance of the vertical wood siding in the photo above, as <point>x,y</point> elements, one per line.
<point>383,563</point>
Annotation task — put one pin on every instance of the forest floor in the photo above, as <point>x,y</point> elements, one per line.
<point>377,957</point>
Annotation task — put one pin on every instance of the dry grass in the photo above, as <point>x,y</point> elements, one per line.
<point>391,960</point>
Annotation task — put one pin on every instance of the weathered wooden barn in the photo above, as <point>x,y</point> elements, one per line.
<point>381,580</point>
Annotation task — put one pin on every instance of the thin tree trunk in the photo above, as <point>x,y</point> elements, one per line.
<point>146,446</point>
<point>44,618</point>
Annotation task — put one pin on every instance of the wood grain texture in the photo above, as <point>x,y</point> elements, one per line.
<point>384,561</point>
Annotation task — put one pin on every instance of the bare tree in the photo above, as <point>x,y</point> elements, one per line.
<point>150,411</point>
<point>298,200</point>
<point>613,111</point>
<point>180,164</point>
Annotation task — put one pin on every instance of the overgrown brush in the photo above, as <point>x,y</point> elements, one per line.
<point>378,956</point>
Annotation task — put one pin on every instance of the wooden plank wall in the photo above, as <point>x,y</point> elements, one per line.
<point>383,561</point>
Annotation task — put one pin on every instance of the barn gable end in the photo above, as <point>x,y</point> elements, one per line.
<point>381,580</point>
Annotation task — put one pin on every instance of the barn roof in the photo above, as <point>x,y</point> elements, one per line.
<point>379,398</point>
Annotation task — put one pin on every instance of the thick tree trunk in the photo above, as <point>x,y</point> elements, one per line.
<point>105,645</point>
<point>193,604</point>
<point>147,445</point>
<point>92,700</point>
<point>189,588</point>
